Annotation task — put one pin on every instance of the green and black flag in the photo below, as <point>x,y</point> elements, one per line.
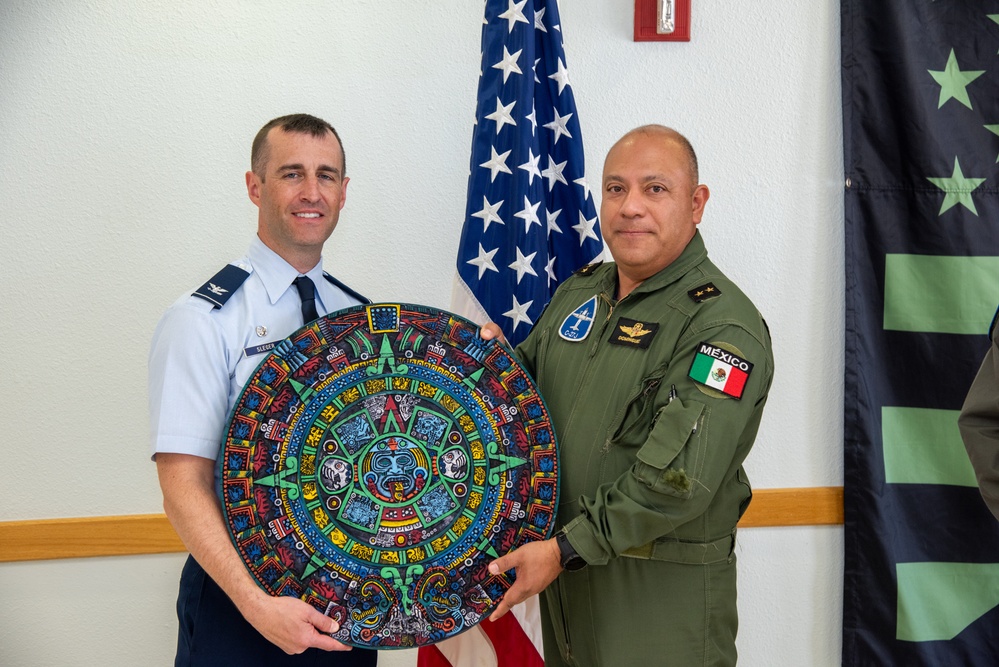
<point>921,135</point>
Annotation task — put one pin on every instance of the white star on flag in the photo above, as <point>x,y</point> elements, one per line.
<point>496,163</point>
<point>531,167</point>
<point>514,13</point>
<point>523,265</point>
<point>534,121</point>
<point>539,20</point>
<point>489,213</point>
<point>529,214</point>
<point>485,260</point>
<point>554,173</point>
<point>519,313</point>
<point>552,221</point>
<point>509,63</point>
<point>561,76</point>
<point>559,126</point>
<point>502,116</point>
<point>585,228</point>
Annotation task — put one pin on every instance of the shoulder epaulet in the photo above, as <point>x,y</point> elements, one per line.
<point>222,285</point>
<point>704,292</point>
<point>357,295</point>
<point>588,269</point>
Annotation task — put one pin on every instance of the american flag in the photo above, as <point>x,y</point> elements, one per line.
<point>530,221</point>
<point>529,224</point>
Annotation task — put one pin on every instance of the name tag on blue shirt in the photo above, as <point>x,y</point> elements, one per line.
<point>259,349</point>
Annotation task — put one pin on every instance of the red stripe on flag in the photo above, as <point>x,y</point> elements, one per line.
<point>430,656</point>
<point>736,383</point>
<point>513,646</point>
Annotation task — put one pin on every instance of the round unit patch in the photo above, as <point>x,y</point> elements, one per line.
<point>377,461</point>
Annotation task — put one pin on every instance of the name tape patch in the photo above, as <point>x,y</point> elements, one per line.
<point>720,369</point>
<point>632,333</point>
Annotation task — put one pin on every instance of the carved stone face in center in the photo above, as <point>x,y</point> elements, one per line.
<point>396,470</point>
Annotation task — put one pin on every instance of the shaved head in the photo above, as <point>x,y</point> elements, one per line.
<point>667,134</point>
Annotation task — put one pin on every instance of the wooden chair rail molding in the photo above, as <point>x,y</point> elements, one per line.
<point>152,534</point>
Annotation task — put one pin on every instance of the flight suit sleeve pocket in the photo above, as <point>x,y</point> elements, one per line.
<point>660,459</point>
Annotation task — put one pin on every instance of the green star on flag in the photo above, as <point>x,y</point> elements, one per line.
<point>958,189</point>
<point>953,82</point>
<point>994,129</point>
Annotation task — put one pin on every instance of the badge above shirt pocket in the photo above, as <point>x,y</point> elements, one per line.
<point>633,334</point>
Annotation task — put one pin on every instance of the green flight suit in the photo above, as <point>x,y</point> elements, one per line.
<point>979,423</point>
<point>651,486</point>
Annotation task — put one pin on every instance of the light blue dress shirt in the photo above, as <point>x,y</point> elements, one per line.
<point>202,356</point>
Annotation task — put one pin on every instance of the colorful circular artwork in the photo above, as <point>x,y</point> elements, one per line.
<point>377,461</point>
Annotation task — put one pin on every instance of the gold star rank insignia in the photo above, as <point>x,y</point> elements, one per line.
<point>704,292</point>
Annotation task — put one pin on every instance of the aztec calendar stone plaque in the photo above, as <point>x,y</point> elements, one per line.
<point>377,461</point>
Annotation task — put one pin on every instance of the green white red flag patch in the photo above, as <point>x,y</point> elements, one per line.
<point>720,369</point>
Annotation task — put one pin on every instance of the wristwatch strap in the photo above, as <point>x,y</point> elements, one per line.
<point>570,560</point>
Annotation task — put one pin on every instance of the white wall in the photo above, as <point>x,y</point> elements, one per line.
<point>124,135</point>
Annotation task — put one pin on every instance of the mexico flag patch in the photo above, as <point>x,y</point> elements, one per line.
<point>720,369</point>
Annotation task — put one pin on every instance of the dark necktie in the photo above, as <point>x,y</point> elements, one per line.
<point>307,292</point>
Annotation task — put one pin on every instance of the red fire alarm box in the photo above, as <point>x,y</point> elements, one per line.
<point>662,20</point>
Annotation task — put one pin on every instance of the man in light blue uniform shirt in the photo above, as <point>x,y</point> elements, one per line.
<point>205,348</point>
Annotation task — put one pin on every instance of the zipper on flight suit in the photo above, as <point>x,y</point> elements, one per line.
<point>565,626</point>
<point>610,306</point>
<point>648,386</point>
<point>597,338</point>
<point>594,346</point>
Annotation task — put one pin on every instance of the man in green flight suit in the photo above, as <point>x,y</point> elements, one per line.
<point>655,370</point>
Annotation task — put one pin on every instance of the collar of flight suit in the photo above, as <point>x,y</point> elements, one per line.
<point>692,255</point>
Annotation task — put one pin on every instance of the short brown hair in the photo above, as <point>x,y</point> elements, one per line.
<point>302,123</point>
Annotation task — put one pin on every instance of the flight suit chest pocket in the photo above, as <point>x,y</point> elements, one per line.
<point>667,460</point>
<point>633,422</point>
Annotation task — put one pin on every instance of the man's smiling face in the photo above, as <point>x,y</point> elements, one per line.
<point>299,193</point>
<point>651,205</point>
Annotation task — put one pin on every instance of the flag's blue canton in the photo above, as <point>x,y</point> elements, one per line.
<point>530,221</point>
